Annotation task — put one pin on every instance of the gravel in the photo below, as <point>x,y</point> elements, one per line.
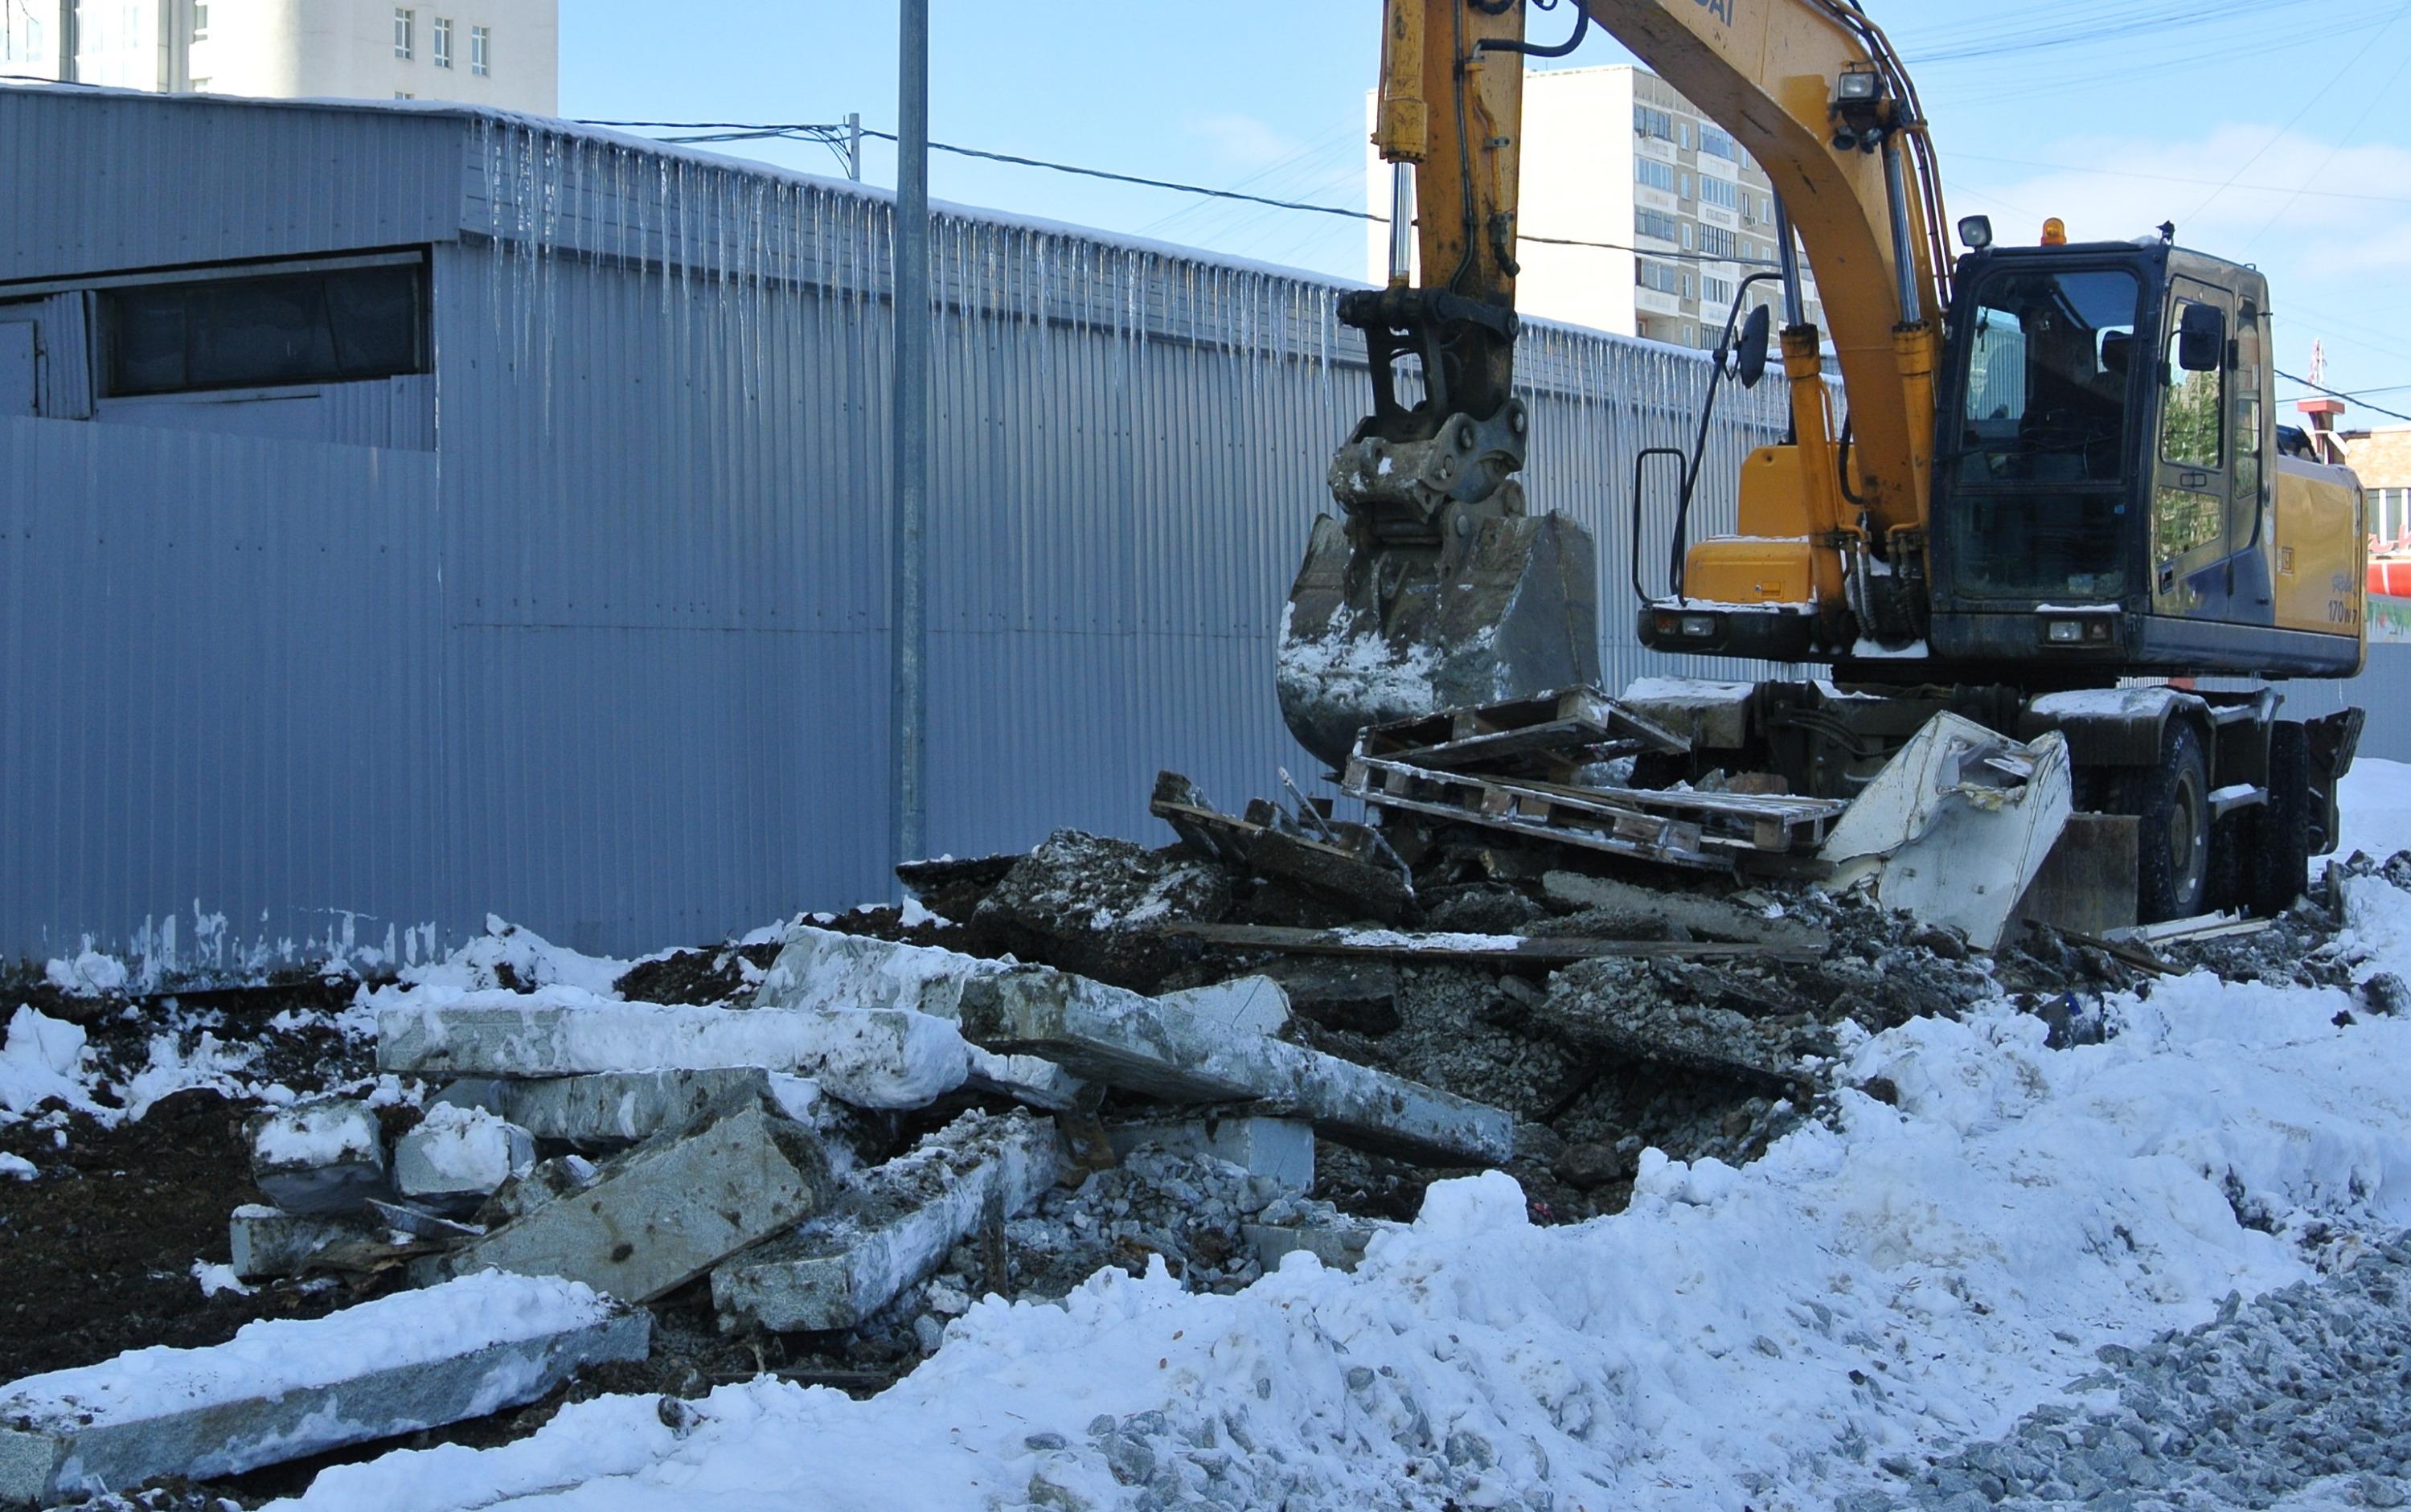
<point>2305,1387</point>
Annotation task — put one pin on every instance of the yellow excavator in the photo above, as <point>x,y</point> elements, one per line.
<point>2060,499</point>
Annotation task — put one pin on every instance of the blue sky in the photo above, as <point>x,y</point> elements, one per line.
<point>2277,131</point>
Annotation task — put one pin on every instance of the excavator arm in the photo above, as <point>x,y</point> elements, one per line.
<point>1436,588</point>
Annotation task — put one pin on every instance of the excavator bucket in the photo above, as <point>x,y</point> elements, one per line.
<point>1507,607</point>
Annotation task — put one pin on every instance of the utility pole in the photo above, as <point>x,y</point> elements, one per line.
<point>854,145</point>
<point>908,691</point>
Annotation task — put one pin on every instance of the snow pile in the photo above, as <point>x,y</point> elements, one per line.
<point>88,974</point>
<point>466,1149</point>
<point>43,1057</point>
<point>509,956</point>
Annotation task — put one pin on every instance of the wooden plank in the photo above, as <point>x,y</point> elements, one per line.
<point>1560,833</point>
<point>1526,951</point>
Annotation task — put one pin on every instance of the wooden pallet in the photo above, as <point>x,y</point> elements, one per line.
<point>1553,731</point>
<point>1567,816</point>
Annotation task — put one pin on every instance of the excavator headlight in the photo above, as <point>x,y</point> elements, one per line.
<point>1698,625</point>
<point>1860,85</point>
<point>2064,631</point>
<point>1975,232</point>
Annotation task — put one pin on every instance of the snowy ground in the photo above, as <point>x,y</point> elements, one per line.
<point>2010,1247</point>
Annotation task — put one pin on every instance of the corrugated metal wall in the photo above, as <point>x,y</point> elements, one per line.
<point>611,659</point>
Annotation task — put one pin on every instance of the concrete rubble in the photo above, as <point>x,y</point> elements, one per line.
<point>892,1230</point>
<point>283,1390</point>
<point>1256,1045</point>
<point>664,1214</point>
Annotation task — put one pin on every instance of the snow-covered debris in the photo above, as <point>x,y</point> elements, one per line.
<point>286,1388</point>
<point>17,1167</point>
<point>1899,1278</point>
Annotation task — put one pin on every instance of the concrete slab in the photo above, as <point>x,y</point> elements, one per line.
<point>664,1213</point>
<point>322,1155</point>
<point>894,1228</point>
<point>458,1157</point>
<point>1161,1047</point>
<point>885,1058</point>
<point>269,1242</point>
<point>820,968</point>
<point>1281,1148</point>
<point>286,1388</point>
<point>610,1109</point>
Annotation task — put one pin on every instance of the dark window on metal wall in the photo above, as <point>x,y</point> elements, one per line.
<point>338,326</point>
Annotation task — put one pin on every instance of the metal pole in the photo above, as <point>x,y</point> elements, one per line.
<point>854,145</point>
<point>908,691</point>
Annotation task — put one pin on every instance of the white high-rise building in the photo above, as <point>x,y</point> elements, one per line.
<point>502,53</point>
<point>1677,212</point>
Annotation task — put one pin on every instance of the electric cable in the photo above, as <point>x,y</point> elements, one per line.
<point>2337,393</point>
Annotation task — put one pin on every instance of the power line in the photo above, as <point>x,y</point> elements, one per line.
<point>719,131</point>
<point>2337,393</point>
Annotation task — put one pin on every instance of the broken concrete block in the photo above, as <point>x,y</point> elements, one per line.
<point>491,1093</point>
<point>664,1213</point>
<point>608,1109</point>
<point>1243,1006</point>
<point>822,969</point>
<point>268,1241</point>
<point>322,1155</point>
<point>458,1157</point>
<point>1341,1249</point>
<point>1653,913</point>
<point>286,1388</point>
<point>893,1230</point>
<point>887,1059</point>
<point>1281,1148</point>
<point>1164,1049</point>
<point>1093,906</point>
<point>420,1223</point>
<point>1354,994</point>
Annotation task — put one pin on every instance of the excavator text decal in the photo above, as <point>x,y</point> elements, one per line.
<point>1721,10</point>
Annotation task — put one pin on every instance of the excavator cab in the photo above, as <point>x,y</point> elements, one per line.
<point>2107,492</point>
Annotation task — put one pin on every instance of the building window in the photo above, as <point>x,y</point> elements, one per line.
<point>336,326</point>
<point>1716,143</point>
<point>441,51</point>
<point>403,95</point>
<point>1655,174</point>
<point>200,20</point>
<point>1718,192</point>
<point>1659,276</point>
<point>1687,185</point>
<point>1648,122</point>
<point>402,22</point>
<point>1715,290</point>
<point>1654,223</point>
<point>481,51</point>
<point>1716,242</point>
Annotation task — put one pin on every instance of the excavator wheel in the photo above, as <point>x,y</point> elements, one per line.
<point>2170,802</point>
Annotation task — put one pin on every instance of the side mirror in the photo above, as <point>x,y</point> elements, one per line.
<point>1750,360</point>
<point>2202,339</point>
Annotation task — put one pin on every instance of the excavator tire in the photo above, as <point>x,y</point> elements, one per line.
<point>2170,802</point>
<point>2280,864</point>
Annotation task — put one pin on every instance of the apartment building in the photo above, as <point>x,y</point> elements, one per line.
<point>498,52</point>
<point>1639,214</point>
